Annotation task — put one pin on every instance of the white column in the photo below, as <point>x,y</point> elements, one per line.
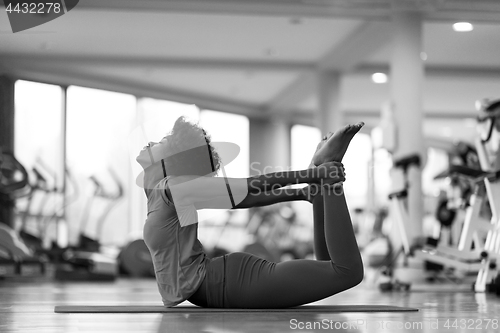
<point>406,78</point>
<point>269,145</point>
<point>329,116</point>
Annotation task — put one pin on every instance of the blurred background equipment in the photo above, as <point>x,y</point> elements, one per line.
<point>135,260</point>
<point>475,189</point>
<point>113,196</point>
<point>273,234</point>
<point>89,260</point>
<point>16,258</point>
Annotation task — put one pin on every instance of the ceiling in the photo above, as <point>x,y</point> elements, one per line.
<point>259,58</point>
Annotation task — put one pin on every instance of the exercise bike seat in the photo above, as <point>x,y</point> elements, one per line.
<point>461,170</point>
<point>405,162</point>
<point>493,176</point>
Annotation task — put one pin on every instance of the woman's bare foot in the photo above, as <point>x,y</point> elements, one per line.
<point>334,148</point>
<point>319,146</point>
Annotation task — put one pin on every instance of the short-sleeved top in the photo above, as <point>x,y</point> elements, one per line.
<point>178,257</point>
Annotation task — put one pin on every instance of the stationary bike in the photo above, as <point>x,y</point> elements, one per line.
<point>478,250</point>
<point>398,200</point>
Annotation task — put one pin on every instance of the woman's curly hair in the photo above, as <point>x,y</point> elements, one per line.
<point>191,151</point>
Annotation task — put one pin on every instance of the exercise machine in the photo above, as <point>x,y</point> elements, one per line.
<point>398,208</point>
<point>454,200</point>
<point>85,262</point>
<point>274,234</point>
<point>135,260</point>
<point>473,254</point>
<point>86,243</point>
<point>478,249</point>
<point>16,258</point>
<point>40,186</point>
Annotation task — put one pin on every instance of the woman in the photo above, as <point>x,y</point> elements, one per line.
<point>178,180</point>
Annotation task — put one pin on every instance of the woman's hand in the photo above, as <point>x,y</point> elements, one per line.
<point>330,173</point>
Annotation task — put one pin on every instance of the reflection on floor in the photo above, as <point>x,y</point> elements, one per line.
<point>28,305</point>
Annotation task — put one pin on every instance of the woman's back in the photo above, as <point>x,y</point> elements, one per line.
<point>178,256</point>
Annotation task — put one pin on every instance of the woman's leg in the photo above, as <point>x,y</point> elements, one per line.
<point>252,282</point>
<point>320,247</point>
<point>332,147</point>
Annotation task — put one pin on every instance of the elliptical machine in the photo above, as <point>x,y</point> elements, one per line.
<point>41,185</point>
<point>85,262</point>
<point>16,258</point>
<point>85,242</point>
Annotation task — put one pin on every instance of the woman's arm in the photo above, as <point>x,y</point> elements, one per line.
<point>306,193</point>
<point>272,181</point>
<point>272,197</point>
<point>255,200</point>
<point>186,190</point>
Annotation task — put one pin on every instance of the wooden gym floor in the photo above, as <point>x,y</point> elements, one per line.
<point>27,305</point>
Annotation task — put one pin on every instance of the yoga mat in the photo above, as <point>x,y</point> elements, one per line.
<point>195,309</point>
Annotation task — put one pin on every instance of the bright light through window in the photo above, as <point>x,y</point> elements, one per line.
<point>38,144</point>
<point>379,78</point>
<point>356,163</point>
<point>38,121</point>
<point>98,124</point>
<point>304,142</point>
<point>230,128</point>
<point>463,27</point>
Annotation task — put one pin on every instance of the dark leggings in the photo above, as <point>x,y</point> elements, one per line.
<point>241,280</point>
